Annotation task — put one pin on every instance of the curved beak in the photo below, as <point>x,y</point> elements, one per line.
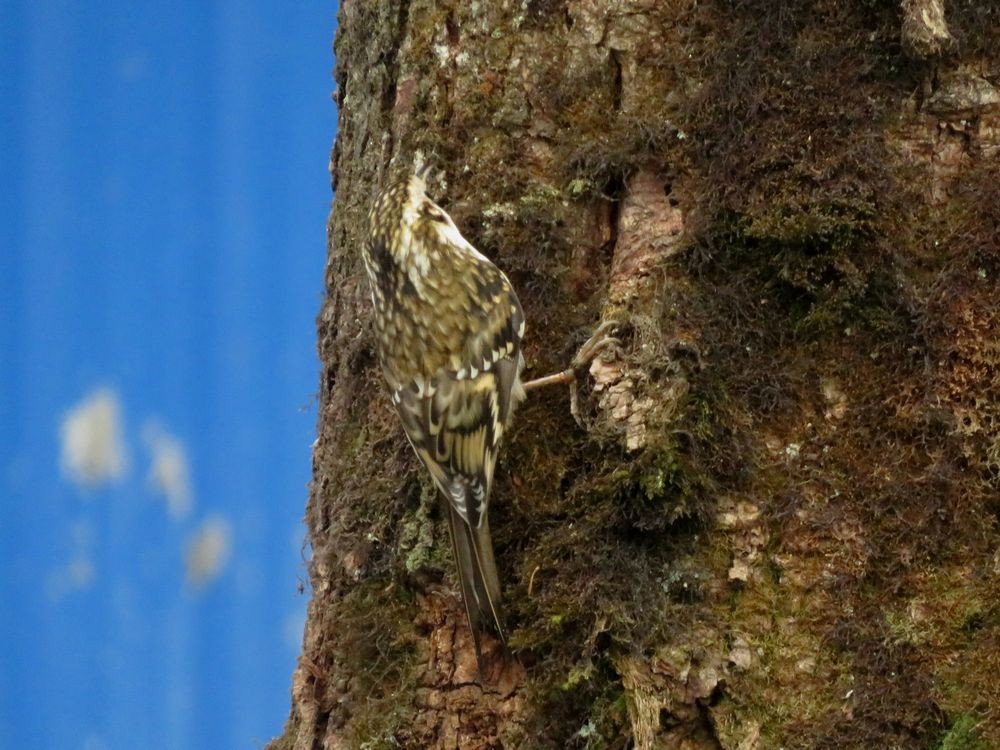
<point>426,170</point>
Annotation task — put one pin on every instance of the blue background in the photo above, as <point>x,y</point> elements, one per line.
<point>163,200</point>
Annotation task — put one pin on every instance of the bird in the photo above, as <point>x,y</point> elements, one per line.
<point>448,329</point>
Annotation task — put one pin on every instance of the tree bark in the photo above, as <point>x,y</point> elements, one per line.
<point>778,526</point>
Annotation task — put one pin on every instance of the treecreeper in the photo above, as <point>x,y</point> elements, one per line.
<point>448,327</point>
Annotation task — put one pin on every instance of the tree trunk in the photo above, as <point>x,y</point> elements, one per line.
<point>779,524</point>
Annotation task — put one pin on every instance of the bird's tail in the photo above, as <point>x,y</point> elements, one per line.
<point>477,574</point>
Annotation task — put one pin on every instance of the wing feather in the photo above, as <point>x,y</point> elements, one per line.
<point>456,432</point>
<point>455,418</point>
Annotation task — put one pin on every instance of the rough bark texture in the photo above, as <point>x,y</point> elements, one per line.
<point>780,525</point>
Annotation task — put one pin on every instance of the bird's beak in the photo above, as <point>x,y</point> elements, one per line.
<point>425,171</point>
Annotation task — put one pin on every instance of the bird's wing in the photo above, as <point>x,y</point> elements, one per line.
<point>455,428</point>
<point>456,418</point>
<point>498,343</point>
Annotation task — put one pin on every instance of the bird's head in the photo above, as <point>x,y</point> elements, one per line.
<point>428,226</point>
<point>412,231</point>
<point>420,212</point>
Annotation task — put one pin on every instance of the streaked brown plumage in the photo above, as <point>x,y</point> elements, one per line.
<point>448,327</point>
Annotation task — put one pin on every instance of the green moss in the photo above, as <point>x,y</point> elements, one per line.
<point>416,535</point>
<point>813,227</point>
<point>607,723</point>
<point>586,710</point>
<point>374,645</point>
<point>655,482</point>
<point>581,187</point>
<point>540,198</point>
<point>577,676</point>
<point>822,263</point>
<point>962,735</point>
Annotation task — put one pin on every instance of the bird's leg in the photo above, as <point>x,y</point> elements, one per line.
<point>586,354</point>
<point>558,378</point>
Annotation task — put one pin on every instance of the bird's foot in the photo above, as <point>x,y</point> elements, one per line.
<point>599,342</point>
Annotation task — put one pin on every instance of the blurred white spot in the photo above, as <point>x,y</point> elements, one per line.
<point>93,452</point>
<point>168,472</point>
<point>77,574</point>
<point>94,742</point>
<point>208,551</point>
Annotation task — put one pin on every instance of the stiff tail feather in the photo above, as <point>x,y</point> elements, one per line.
<point>477,574</point>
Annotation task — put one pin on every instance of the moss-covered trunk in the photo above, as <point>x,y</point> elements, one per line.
<point>779,527</point>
